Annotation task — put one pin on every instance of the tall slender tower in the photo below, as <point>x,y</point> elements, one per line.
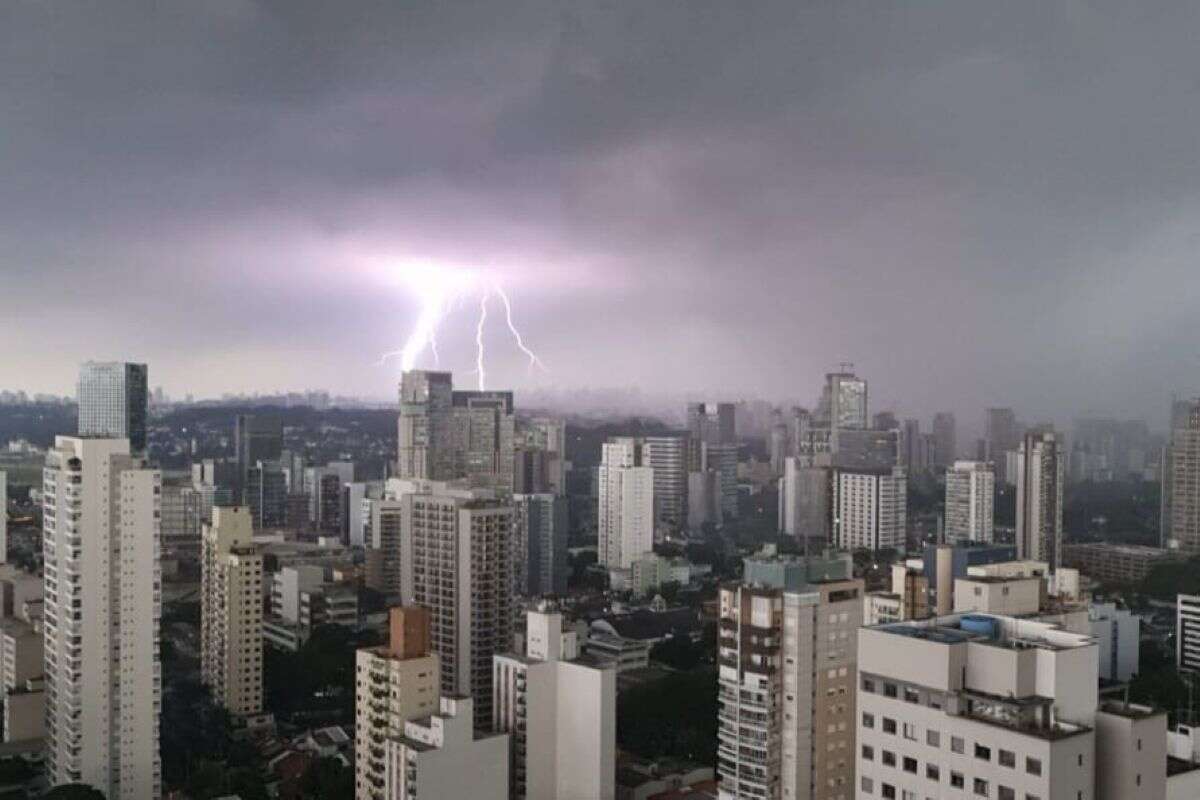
<point>1040,475</point>
<point>970,496</point>
<point>3,517</point>
<point>424,427</point>
<point>456,560</point>
<point>1183,480</point>
<point>626,510</point>
<point>113,398</point>
<point>102,610</point>
<point>231,611</point>
<point>945,437</point>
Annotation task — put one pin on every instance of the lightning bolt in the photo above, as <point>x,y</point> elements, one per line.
<point>534,361</point>
<point>479,341</point>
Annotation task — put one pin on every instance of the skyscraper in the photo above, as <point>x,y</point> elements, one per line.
<point>1040,476</point>
<point>843,402</point>
<point>231,612</point>
<point>457,561</point>
<point>945,436</point>
<point>113,398</point>
<point>668,456</point>
<point>910,445</point>
<point>3,517</point>
<point>265,495</point>
<point>626,506</point>
<point>540,544</point>
<point>446,434</point>
<point>804,510</point>
<point>540,457</point>
<point>970,496</point>
<point>102,610</point>
<point>786,688</point>
<point>710,423</point>
<point>425,449</point>
<point>394,683</point>
<point>1002,435</point>
<point>256,437</point>
<point>870,508</point>
<point>1184,481</point>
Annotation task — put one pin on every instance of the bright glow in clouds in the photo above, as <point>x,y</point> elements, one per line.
<point>437,289</point>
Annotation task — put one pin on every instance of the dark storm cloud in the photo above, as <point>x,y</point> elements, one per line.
<point>979,203</point>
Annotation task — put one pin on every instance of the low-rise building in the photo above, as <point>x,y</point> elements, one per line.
<point>438,756</point>
<point>1125,564</point>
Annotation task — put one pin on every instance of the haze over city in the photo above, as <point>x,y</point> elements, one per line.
<point>976,203</point>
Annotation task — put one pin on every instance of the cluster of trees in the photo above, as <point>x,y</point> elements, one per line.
<point>673,717</point>
<point>318,680</point>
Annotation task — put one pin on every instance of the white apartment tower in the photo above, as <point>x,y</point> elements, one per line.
<point>870,508</point>
<point>668,457</point>
<point>1040,475</point>
<point>626,513</point>
<point>394,684</point>
<point>560,709</point>
<point>102,611</point>
<point>786,673</point>
<point>440,756</point>
<point>457,561</point>
<point>113,399</point>
<point>3,517</point>
<point>231,571</point>
<point>970,495</point>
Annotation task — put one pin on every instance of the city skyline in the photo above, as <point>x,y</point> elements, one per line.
<point>750,193</point>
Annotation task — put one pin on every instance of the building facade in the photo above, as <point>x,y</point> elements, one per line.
<point>970,502</point>
<point>231,612</point>
<point>114,401</point>
<point>540,544</point>
<point>870,509</point>
<point>1040,475</point>
<point>625,516</point>
<point>103,605</point>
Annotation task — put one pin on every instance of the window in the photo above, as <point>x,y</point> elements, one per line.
<point>868,685</point>
<point>889,690</point>
<point>911,696</point>
<point>956,780</point>
<point>932,773</point>
<point>888,791</point>
<point>1005,793</point>
<point>889,758</point>
<point>957,745</point>
<point>867,785</point>
<point>981,787</point>
<point>869,722</point>
<point>1007,759</point>
<point>933,738</point>
<point>910,731</point>
<point>868,752</point>
<point>889,726</point>
<point>910,765</point>
<point>1080,759</point>
<point>983,753</point>
<point>1033,766</point>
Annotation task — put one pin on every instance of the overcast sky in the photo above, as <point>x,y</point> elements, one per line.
<point>977,203</point>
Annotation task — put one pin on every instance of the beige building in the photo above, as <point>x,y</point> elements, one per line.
<point>456,557</point>
<point>103,604</point>
<point>870,508</point>
<point>383,548</point>
<point>22,677</point>
<point>999,595</point>
<point>970,497</point>
<point>786,672</point>
<point>231,615</point>
<point>394,683</point>
<point>1182,483</point>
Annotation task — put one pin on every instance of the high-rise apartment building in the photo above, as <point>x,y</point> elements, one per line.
<point>457,561</point>
<point>383,548</point>
<point>1184,480</point>
<point>870,508</point>
<point>970,500</point>
<point>113,401</point>
<point>626,505</point>
<point>945,437</point>
<point>722,459</point>
<point>1002,434</point>
<point>324,485</point>
<point>231,612</point>
<point>786,678</point>
<point>910,446</point>
<point>560,709</point>
<point>394,683</point>
<point>482,431</point>
<point>540,544</point>
<point>442,756</point>
<point>1187,632</point>
<point>984,705</point>
<point>541,457</point>
<point>710,423</point>
<point>102,609</point>
<point>256,438</point>
<point>1040,474</point>
<point>667,455</point>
